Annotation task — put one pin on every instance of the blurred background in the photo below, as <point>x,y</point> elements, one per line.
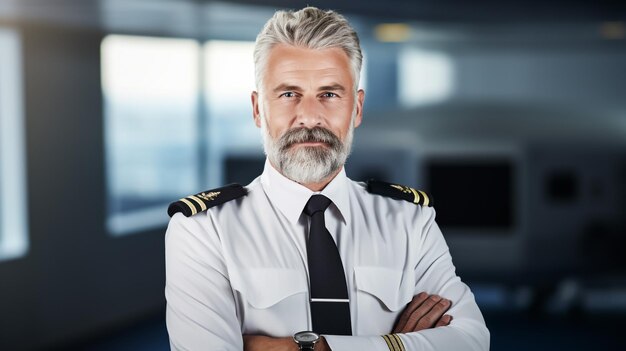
<point>511,114</point>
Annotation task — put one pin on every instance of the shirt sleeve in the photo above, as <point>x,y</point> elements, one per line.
<point>434,274</point>
<point>201,312</point>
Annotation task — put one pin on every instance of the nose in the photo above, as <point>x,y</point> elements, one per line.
<point>309,113</point>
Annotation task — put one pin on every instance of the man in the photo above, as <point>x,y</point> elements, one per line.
<point>303,250</point>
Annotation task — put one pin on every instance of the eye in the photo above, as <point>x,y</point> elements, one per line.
<point>329,95</point>
<point>288,94</point>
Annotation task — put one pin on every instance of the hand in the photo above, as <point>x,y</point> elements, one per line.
<point>266,343</point>
<point>322,345</point>
<point>424,312</point>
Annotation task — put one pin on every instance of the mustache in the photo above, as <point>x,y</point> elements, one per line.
<point>308,135</point>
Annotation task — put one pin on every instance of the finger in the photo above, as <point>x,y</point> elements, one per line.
<point>420,312</point>
<point>427,314</point>
<point>430,319</point>
<point>444,321</point>
<point>414,304</point>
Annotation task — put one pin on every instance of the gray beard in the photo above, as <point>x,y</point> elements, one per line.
<point>307,164</point>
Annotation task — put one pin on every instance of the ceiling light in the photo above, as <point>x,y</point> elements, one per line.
<point>392,32</point>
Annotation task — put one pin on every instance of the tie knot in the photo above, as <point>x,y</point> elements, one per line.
<point>316,204</point>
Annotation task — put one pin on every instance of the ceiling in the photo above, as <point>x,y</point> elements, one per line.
<point>434,20</point>
<point>484,11</point>
<point>449,11</point>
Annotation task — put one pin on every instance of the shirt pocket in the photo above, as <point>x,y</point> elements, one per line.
<point>272,301</point>
<point>382,294</point>
<point>265,287</point>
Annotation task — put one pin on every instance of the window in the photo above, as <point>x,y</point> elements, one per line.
<point>424,77</point>
<point>228,82</point>
<point>13,196</point>
<point>153,150</point>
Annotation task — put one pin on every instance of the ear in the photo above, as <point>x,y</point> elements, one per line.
<point>360,97</point>
<point>256,114</point>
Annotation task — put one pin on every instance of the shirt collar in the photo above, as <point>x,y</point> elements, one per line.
<point>291,197</point>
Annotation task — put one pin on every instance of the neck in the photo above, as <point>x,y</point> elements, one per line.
<point>317,186</point>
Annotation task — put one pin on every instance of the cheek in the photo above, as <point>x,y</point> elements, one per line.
<point>278,124</point>
<point>282,107</point>
<point>275,127</point>
<point>342,122</point>
<point>341,111</point>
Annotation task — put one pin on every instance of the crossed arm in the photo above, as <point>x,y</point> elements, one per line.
<point>201,311</point>
<point>423,312</point>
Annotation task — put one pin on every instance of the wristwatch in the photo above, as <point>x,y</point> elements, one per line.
<point>306,340</point>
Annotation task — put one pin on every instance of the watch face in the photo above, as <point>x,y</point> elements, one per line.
<point>306,337</point>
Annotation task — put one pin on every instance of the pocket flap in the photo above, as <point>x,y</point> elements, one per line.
<point>265,287</point>
<point>386,285</point>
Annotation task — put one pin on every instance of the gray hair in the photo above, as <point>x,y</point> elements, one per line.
<point>309,28</point>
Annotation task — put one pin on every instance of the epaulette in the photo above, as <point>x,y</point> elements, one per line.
<point>399,192</point>
<point>201,202</point>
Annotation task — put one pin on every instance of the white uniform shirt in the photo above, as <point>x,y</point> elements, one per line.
<point>241,268</point>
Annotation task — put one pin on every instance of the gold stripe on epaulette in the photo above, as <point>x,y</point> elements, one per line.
<point>416,196</point>
<point>400,343</point>
<point>403,189</point>
<point>390,345</point>
<point>408,190</point>
<point>191,206</point>
<point>426,199</point>
<point>200,202</point>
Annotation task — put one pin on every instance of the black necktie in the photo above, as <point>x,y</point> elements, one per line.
<point>330,307</point>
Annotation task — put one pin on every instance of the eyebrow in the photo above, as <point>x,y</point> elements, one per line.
<point>284,87</point>
<point>287,87</point>
<point>333,87</point>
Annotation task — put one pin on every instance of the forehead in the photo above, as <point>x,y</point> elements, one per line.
<point>286,62</point>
